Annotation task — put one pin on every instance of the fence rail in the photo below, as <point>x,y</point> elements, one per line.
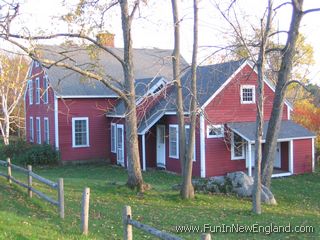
<point>58,186</point>
<point>128,223</point>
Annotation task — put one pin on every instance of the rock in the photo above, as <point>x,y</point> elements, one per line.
<point>236,182</point>
<point>267,196</point>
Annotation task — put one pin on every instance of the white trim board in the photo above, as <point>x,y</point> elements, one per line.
<point>87,96</point>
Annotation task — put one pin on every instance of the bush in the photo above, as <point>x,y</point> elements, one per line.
<point>40,155</point>
<point>24,153</point>
<point>15,149</point>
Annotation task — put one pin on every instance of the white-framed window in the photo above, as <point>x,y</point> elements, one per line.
<point>38,90</point>
<point>31,130</point>
<point>248,94</point>
<point>187,128</point>
<point>215,131</point>
<point>36,63</point>
<point>46,130</point>
<point>38,130</point>
<point>45,89</point>
<point>237,146</point>
<point>80,132</point>
<point>173,141</point>
<point>30,90</point>
<point>113,137</point>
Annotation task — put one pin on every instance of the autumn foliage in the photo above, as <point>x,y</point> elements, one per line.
<point>308,115</point>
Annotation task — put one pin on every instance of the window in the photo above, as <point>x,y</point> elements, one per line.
<point>37,90</point>
<point>248,94</point>
<point>158,88</point>
<point>237,147</point>
<point>46,130</point>
<point>215,131</point>
<point>187,128</point>
<point>38,130</point>
<point>80,132</point>
<point>113,137</point>
<point>30,85</point>
<point>31,130</point>
<point>37,64</point>
<point>173,141</point>
<point>45,89</point>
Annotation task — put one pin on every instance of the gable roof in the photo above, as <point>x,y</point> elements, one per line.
<point>210,79</point>
<point>148,64</point>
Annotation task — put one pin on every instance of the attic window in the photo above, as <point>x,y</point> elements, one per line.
<point>248,94</point>
<point>158,88</point>
<point>215,131</point>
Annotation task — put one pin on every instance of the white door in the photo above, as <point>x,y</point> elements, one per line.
<point>277,157</point>
<point>120,145</point>
<point>161,146</point>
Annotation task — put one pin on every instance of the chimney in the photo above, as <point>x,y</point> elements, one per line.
<point>106,39</point>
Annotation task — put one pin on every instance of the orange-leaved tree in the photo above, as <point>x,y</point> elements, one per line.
<point>308,115</point>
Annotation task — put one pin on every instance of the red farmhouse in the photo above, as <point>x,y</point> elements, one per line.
<point>84,120</point>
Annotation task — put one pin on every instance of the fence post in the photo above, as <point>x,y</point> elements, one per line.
<point>61,197</point>
<point>29,181</point>
<point>85,211</point>
<point>206,236</point>
<point>127,227</point>
<point>9,170</point>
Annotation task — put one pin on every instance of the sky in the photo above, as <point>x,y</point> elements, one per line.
<point>153,26</point>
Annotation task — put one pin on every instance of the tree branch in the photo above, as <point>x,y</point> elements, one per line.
<point>311,11</point>
<point>71,35</point>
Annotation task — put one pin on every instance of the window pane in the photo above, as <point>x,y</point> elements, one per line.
<point>80,131</point>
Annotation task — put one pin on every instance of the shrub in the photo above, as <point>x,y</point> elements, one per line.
<point>39,155</point>
<point>24,153</point>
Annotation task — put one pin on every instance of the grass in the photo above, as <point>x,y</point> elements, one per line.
<point>24,218</point>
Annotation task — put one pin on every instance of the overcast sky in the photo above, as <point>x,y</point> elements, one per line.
<point>154,28</point>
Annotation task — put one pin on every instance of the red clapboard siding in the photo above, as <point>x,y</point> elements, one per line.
<point>302,156</point>
<point>226,106</point>
<point>173,164</point>
<point>218,158</point>
<point>95,110</point>
<point>40,110</point>
<point>151,147</point>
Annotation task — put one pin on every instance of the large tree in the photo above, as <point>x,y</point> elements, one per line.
<point>127,92</point>
<point>13,72</point>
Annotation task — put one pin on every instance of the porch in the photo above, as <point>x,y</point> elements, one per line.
<point>243,143</point>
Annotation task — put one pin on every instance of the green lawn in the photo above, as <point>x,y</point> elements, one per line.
<point>24,218</point>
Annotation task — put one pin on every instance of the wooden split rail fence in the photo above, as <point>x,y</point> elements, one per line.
<point>58,186</point>
<point>128,223</point>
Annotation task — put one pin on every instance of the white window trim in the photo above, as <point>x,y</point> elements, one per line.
<point>194,146</point>
<point>253,87</point>
<point>37,90</point>
<point>45,89</point>
<point>233,157</point>
<point>38,120</point>
<point>30,91</point>
<point>114,135</point>
<point>177,140</point>
<point>209,126</point>
<point>31,130</point>
<point>46,134</point>
<point>74,135</point>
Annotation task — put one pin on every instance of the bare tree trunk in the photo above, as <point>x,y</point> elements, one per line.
<point>135,179</point>
<point>177,81</point>
<point>187,190</point>
<point>256,194</point>
<point>278,102</point>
